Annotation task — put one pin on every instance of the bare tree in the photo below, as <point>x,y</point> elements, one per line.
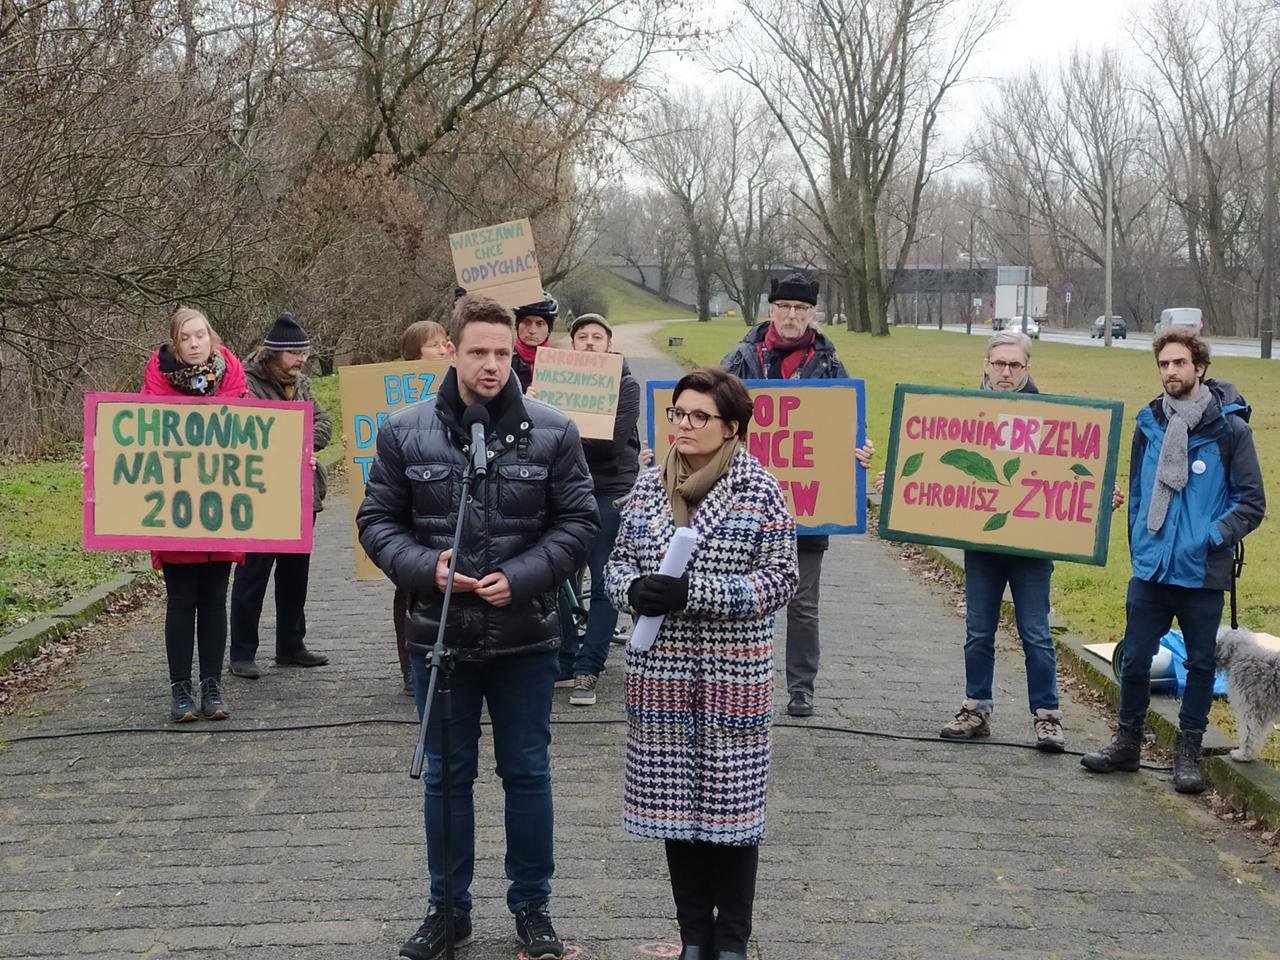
<point>1206,93</point>
<point>854,88</point>
<point>678,146</point>
<point>755,206</point>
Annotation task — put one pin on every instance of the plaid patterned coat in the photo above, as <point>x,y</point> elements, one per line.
<point>700,701</point>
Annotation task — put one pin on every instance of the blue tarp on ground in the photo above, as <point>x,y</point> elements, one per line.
<point>1173,642</point>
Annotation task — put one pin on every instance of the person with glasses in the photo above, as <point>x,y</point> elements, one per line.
<point>274,372</point>
<point>699,702</point>
<point>789,347</point>
<point>1008,370</point>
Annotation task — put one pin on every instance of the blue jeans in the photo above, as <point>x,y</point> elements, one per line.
<point>602,617</point>
<point>985,576</point>
<point>1149,612</point>
<point>517,690</point>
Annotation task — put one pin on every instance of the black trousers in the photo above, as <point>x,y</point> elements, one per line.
<point>714,887</point>
<point>249,591</point>
<point>195,605</point>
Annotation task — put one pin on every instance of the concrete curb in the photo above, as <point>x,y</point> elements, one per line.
<point>1252,787</point>
<point>27,640</point>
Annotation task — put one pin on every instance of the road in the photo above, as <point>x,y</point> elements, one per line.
<point>1222,347</point>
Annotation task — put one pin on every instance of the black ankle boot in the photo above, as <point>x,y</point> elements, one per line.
<point>1124,752</point>
<point>1186,763</point>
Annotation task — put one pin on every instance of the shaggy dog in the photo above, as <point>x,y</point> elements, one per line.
<point>1252,663</point>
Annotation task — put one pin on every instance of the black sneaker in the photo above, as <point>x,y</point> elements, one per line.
<point>428,943</point>
<point>182,701</point>
<point>533,927</point>
<point>212,706</point>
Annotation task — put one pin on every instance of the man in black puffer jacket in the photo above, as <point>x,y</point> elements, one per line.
<point>529,523</point>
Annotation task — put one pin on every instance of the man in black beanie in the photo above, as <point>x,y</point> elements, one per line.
<point>788,347</point>
<point>274,372</point>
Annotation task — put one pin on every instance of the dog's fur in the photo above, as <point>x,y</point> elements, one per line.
<point>1253,686</point>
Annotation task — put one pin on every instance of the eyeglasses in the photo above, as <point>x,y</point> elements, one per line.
<point>792,307</point>
<point>697,418</point>
<point>1013,366</point>
<point>301,354</point>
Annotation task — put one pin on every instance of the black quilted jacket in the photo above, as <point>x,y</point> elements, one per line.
<point>532,517</point>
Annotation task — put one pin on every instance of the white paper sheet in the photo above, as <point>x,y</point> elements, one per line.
<point>673,565</point>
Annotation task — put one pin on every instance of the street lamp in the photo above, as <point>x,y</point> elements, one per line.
<point>1269,222</point>
<point>968,314</point>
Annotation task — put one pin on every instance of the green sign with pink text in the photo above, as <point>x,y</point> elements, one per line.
<point>1019,473</point>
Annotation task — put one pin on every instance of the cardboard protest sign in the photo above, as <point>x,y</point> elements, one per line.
<point>582,385</point>
<point>805,433</point>
<point>499,262</point>
<point>1017,473</point>
<point>370,393</point>
<point>186,473</point>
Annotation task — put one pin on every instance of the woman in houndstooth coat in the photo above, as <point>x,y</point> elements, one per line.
<point>699,702</point>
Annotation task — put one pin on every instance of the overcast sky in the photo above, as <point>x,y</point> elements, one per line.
<point>1036,32</point>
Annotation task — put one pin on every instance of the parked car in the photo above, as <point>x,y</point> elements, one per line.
<point>1015,323</point>
<point>1119,328</point>
<point>1189,317</point>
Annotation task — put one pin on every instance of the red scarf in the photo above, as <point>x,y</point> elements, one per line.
<point>788,355</point>
<point>526,352</point>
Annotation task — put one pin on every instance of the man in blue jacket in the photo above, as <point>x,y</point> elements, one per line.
<point>1195,491</point>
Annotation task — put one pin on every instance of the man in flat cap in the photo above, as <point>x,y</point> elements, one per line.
<point>789,347</point>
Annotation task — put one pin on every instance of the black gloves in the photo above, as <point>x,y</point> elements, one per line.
<point>657,594</point>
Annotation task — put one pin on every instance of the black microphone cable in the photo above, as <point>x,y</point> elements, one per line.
<point>599,722</point>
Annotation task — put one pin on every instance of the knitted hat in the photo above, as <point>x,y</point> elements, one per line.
<point>287,334</point>
<point>794,286</point>
<point>588,318</point>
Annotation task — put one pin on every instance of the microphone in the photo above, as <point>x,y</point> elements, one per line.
<point>475,420</point>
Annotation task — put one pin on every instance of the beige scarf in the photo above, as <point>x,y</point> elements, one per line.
<point>687,487</point>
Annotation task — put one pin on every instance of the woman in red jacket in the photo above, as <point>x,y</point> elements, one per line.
<point>194,363</point>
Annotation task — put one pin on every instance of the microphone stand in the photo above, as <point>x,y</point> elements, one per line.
<point>441,666</point>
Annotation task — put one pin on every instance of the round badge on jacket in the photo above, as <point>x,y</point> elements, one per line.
<point>1198,467</point>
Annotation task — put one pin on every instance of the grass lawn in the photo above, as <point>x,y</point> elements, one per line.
<point>41,562</point>
<point>1090,599</point>
<point>629,303</point>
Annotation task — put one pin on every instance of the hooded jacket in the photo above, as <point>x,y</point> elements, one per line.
<point>1221,503</point>
<point>749,360</point>
<point>532,517</point>
<point>263,386</point>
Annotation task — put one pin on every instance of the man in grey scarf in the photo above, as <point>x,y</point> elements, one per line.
<point>1195,491</point>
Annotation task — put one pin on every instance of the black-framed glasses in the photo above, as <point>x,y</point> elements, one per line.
<point>1013,366</point>
<point>697,418</point>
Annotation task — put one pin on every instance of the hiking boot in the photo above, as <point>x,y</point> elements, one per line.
<point>1124,752</point>
<point>212,706</point>
<point>302,657</point>
<point>245,668</point>
<point>968,723</point>
<point>1048,727</point>
<point>800,705</point>
<point>1186,763</point>
<point>429,942</point>
<point>584,691</point>
<point>182,701</point>
<point>533,927</point>
<point>408,685</point>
